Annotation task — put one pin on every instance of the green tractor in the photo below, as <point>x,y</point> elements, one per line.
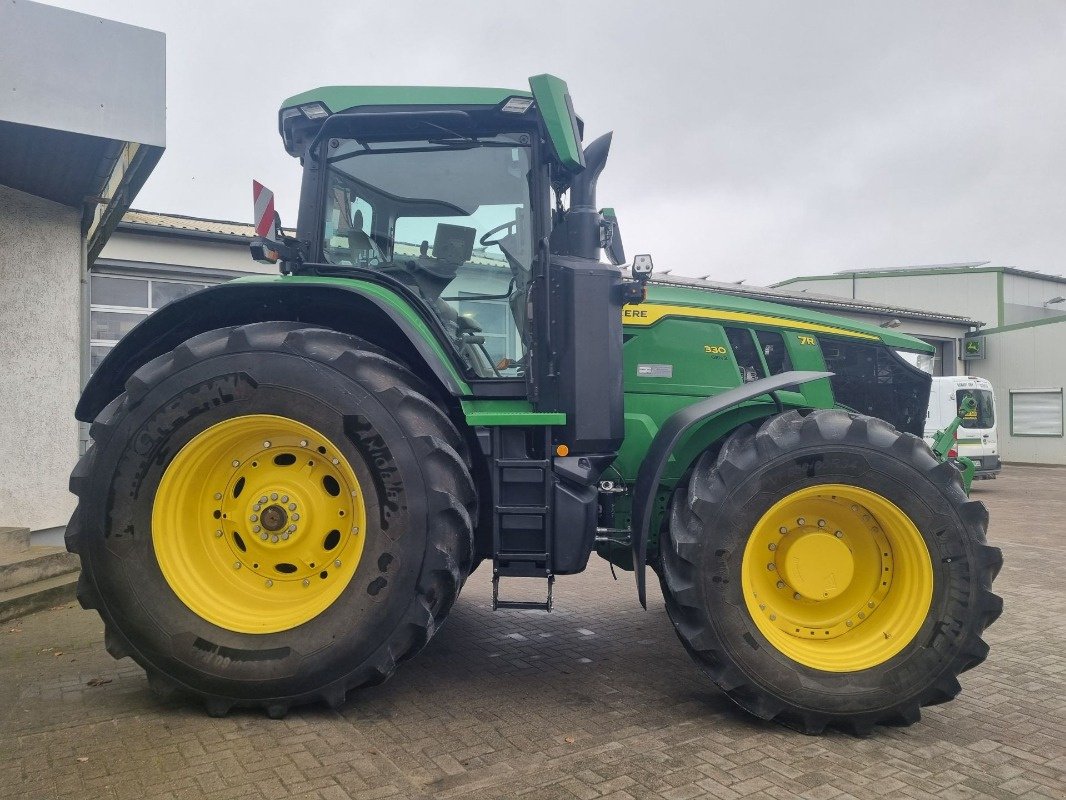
<point>292,476</point>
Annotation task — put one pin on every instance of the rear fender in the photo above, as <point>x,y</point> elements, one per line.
<point>672,432</point>
<point>376,313</point>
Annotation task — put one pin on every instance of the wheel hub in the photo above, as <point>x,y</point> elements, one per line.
<point>822,577</point>
<point>274,518</point>
<point>818,565</point>
<point>258,523</point>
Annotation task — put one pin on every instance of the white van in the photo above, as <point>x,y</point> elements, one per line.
<point>976,436</point>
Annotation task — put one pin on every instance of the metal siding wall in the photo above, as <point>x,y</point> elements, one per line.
<point>40,362</point>
<point>1024,298</point>
<point>1029,358</point>
<point>968,295</point>
<point>75,72</point>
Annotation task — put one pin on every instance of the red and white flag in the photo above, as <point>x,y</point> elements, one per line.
<point>263,200</point>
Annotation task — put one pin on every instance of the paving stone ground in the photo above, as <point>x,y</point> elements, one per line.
<point>596,700</point>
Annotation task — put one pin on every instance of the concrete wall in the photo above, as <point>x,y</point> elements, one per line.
<point>1026,358</point>
<point>40,358</point>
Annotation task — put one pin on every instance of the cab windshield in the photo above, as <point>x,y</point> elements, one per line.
<point>449,219</point>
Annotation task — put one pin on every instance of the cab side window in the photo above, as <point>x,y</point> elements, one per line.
<point>746,353</point>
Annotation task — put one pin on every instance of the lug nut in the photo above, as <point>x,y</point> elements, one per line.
<point>269,583</point>
<point>821,523</point>
<point>254,518</point>
<point>284,498</point>
<point>303,443</point>
<point>292,506</point>
<point>782,529</point>
<point>780,584</point>
<point>274,539</point>
<point>236,564</point>
<point>839,534</point>
<point>236,463</point>
<point>337,563</point>
<point>218,495</point>
<point>295,517</point>
<point>773,545</point>
<point>801,521</point>
<point>335,461</point>
<point>870,603</point>
<point>256,529</point>
<point>306,582</point>
<point>355,529</point>
<point>796,596</point>
<point>848,623</point>
<point>218,534</point>
<point>292,528</point>
<point>274,496</point>
<point>266,444</point>
<point>771,567</point>
<point>285,536</point>
<point>862,615</point>
<point>264,536</point>
<point>773,617</point>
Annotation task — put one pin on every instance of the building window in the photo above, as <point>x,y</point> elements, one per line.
<point>117,303</point>
<point>493,317</point>
<point>1036,412</point>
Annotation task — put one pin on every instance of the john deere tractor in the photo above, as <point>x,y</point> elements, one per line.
<point>292,476</point>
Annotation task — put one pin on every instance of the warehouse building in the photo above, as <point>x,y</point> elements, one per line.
<point>1018,349</point>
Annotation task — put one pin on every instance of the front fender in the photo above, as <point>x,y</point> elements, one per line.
<point>668,437</point>
<point>377,313</point>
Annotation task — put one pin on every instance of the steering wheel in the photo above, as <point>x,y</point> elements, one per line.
<point>484,240</point>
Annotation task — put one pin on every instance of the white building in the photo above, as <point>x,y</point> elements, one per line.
<point>82,124</point>
<point>1018,347</point>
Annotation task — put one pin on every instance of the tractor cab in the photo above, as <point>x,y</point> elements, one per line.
<point>479,205</point>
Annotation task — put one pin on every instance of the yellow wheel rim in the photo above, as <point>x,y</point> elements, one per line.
<point>258,524</point>
<point>837,578</point>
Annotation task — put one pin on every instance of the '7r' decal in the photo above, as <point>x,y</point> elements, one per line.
<point>806,340</point>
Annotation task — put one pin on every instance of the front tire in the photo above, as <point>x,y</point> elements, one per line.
<point>826,569</point>
<point>272,515</point>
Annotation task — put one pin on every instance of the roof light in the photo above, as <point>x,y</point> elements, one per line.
<point>315,110</point>
<point>517,105</point>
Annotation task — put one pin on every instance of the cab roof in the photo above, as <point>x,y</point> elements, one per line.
<point>342,98</point>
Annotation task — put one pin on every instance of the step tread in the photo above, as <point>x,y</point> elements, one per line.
<point>37,563</point>
<point>37,596</point>
<point>13,541</point>
<point>32,553</point>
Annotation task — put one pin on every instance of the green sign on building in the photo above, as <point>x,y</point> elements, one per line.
<point>973,349</point>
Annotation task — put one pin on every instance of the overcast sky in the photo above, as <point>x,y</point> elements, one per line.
<point>753,140</point>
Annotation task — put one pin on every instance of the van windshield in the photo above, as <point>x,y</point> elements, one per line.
<point>984,416</point>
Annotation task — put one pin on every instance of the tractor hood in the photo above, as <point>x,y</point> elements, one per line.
<point>546,102</point>
<point>670,300</point>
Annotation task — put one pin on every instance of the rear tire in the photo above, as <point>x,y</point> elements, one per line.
<point>404,563</point>
<point>771,624</point>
